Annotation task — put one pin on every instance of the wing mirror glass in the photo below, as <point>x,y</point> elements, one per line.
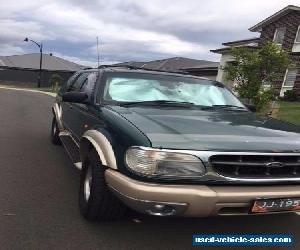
<point>76,97</point>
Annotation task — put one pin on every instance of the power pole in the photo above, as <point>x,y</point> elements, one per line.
<point>41,61</point>
<point>40,45</point>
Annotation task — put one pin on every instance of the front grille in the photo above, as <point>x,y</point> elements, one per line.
<point>256,166</point>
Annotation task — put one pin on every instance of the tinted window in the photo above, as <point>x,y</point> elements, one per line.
<point>76,86</point>
<point>89,85</point>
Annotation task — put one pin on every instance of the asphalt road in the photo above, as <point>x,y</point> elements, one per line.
<point>38,196</point>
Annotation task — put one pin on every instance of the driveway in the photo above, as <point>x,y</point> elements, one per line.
<point>38,196</point>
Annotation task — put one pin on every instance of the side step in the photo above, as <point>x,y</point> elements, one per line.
<point>71,147</point>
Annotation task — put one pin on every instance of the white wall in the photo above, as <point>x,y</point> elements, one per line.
<point>221,74</point>
<point>296,47</point>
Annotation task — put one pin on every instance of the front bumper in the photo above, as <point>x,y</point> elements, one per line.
<point>191,200</point>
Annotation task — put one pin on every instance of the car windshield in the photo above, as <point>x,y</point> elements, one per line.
<point>139,88</point>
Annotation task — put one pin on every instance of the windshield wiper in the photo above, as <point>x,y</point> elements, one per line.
<point>158,102</point>
<point>226,107</point>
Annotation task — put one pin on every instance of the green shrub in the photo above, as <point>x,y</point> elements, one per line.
<point>290,95</point>
<point>55,82</point>
<point>254,69</point>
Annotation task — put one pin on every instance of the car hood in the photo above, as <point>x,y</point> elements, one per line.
<point>212,130</point>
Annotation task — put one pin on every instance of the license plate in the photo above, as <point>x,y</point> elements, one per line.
<point>276,205</point>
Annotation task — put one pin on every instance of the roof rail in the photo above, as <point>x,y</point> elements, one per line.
<point>110,66</point>
<point>142,68</point>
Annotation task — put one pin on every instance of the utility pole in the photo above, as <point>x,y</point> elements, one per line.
<point>40,45</point>
<point>41,62</point>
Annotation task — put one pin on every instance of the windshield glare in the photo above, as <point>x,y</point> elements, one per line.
<point>147,87</point>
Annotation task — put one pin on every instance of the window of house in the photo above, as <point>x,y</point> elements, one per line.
<point>290,78</point>
<point>297,40</point>
<point>279,35</point>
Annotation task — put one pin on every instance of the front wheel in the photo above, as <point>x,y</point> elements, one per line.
<point>55,132</point>
<point>96,202</point>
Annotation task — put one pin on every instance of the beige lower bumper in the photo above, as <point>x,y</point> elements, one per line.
<point>192,200</point>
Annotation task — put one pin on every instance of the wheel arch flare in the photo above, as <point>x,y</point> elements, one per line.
<point>101,144</point>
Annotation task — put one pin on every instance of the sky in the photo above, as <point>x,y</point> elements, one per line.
<point>129,30</point>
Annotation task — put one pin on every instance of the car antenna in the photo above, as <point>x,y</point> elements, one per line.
<point>98,50</point>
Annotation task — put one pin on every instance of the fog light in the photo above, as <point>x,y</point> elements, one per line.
<point>162,210</point>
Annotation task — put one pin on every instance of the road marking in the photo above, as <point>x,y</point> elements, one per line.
<point>9,214</point>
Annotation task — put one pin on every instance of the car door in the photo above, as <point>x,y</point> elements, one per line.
<point>68,118</point>
<point>63,107</point>
<point>81,112</point>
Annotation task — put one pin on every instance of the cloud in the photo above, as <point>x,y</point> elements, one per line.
<point>10,49</point>
<point>129,30</point>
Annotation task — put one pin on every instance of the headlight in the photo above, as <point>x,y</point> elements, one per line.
<point>163,163</point>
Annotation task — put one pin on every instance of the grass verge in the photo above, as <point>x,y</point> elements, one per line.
<point>290,112</point>
<point>49,91</point>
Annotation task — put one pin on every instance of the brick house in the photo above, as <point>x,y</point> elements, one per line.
<point>203,68</point>
<point>24,69</point>
<point>283,28</point>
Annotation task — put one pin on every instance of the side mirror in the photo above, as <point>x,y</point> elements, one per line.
<point>251,107</point>
<point>76,97</point>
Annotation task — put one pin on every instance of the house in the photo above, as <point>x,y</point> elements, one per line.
<point>24,69</point>
<point>283,28</point>
<point>203,68</point>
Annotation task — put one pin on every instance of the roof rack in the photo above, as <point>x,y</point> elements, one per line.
<point>110,66</point>
<point>141,68</point>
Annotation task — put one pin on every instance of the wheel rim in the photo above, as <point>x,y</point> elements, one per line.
<point>87,184</point>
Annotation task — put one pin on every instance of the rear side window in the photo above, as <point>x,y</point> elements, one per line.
<point>89,85</point>
<point>80,81</point>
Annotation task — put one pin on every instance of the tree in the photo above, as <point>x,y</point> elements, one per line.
<point>254,69</point>
<point>55,81</point>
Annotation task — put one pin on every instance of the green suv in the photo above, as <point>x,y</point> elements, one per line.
<point>171,144</point>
